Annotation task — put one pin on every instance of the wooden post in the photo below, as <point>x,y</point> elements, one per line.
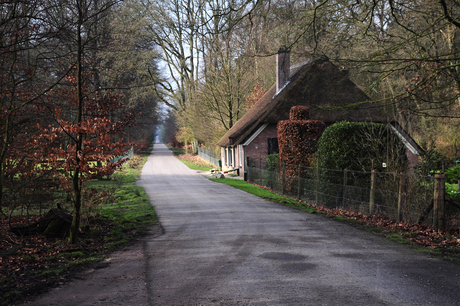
<point>401,196</point>
<point>246,169</point>
<point>438,207</point>
<point>270,177</point>
<point>372,194</point>
<point>284,177</point>
<point>317,186</point>
<point>344,187</point>
<point>298,183</point>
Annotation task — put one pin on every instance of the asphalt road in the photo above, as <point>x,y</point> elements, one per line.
<point>222,246</point>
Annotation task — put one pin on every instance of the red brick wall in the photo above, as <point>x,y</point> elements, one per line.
<point>258,148</point>
<point>412,161</point>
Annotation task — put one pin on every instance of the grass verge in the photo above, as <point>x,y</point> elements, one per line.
<point>195,162</point>
<point>116,213</point>
<point>266,194</point>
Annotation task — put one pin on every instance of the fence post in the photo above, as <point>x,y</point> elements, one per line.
<point>344,187</point>
<point>298,183</point>
<point>283,182</point>
<point>438,207</point>
<point>372,195</point>
<point>401,196</point>
<point>317,186</point>
<point>247,169</point>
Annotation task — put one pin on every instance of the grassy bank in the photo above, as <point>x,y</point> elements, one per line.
<point>116,213</point>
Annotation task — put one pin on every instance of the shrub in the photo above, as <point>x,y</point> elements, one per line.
<point>361,146</point>
<point>452,175</point>
<point>272,161</point>
<point>298,137</point>
<point>432,160</point>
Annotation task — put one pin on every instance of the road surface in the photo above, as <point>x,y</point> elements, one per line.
<point>222,246</point>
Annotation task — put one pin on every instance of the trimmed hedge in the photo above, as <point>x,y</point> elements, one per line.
<point>361,146</point>
<point>298,137</point>
<point>299,112</point>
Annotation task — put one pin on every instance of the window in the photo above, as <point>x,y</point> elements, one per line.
<point>230,157</point>
<point>273,146</point>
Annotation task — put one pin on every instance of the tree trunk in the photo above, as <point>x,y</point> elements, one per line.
<point>55,223</point>
<point>78,146</point>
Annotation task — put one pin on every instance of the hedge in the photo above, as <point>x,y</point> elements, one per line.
<point>361,146</point>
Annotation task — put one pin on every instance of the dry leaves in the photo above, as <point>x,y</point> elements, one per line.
<point>33,263</point>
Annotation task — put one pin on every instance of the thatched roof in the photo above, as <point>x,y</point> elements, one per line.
<point>318,84</point>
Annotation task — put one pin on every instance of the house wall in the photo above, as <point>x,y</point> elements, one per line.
<point>230,157</point>
<point>258,148</point>
<point>412,160</point>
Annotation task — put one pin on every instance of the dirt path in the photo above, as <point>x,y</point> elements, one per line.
<point>222,246</point>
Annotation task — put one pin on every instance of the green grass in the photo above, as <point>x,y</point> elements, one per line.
<point>195,166</point>
<point>128,174</point>
<point>49,272</point>
<point>176,151</point>
<point>398,237</point>
<point>266,194</point>
<point>128,208</point>
<point>124,209</point>
<point>12,295</point>
<point>452,191</point>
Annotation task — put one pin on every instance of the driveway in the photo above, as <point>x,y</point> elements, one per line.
<point>222,246</point>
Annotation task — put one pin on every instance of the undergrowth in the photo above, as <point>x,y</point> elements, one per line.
<point>116,212</point>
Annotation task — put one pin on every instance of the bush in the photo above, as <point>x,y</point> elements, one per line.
<point>298,137</point>
<point>361,146</point>
<point>452,175</point>
<point>272,161</point>
<point>432,160</point>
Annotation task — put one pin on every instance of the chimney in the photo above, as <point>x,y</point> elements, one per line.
<point>282,67</point>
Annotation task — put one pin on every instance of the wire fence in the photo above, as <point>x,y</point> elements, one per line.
<point>399,197</point>
<point>213,158</point>
<point>128,154</point>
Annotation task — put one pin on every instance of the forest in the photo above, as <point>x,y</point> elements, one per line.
<point>84,81</point>
<point>75,94</point>
<point>219,59</point>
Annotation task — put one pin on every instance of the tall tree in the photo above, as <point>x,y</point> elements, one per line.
<point>24,63</point>
<point>79,39</point>
<point>199,48</point>
<point>128,62</point>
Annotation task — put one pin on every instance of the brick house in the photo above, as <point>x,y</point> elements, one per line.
<point>318,84</point>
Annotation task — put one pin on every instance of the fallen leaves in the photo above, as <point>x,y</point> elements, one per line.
<point>415,233</point>
<point>31,264</point>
